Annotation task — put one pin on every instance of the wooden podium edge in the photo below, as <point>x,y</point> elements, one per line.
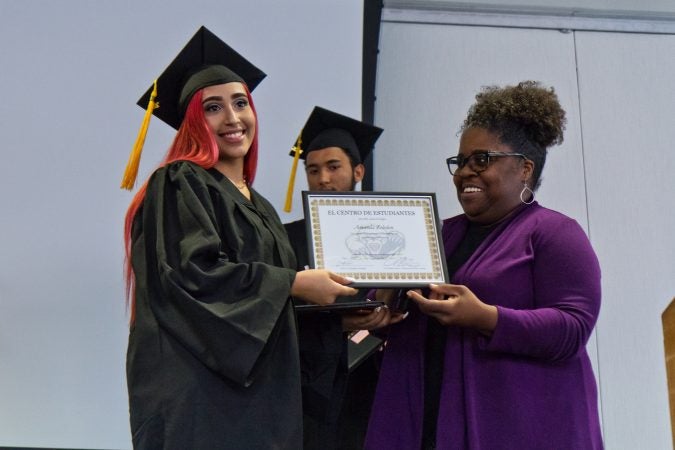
<point>668,323</point>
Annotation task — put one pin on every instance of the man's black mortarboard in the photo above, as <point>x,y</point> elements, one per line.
<point>204,61</point>
<point>325,129</point>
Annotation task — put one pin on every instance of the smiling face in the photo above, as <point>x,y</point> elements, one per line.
<point>230,118</point>
<point>489,196</point>
<point>330,169</point>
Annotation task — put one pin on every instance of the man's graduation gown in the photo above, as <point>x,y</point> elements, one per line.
<point>323,356</point>
<point>213,360</point>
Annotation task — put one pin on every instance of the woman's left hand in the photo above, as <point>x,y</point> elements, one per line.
<point>453,304</point>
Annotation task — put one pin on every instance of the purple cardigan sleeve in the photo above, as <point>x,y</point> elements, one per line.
<point>565,292</point>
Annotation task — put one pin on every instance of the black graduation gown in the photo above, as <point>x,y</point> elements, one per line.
<point>323,359</point>
<point>212,361</point>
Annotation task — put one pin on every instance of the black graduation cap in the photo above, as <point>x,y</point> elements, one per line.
<point>326,128</point>
<point>204,61</point>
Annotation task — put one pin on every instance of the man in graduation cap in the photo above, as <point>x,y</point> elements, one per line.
<point>335,411</point>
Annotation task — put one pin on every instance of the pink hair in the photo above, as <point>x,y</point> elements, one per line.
<point>193,142</point>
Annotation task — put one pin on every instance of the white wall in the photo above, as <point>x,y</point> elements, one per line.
<point>627,97</point>
<point>613,173</point>
<point>71,74</point>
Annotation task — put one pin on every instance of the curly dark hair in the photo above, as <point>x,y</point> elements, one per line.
<point>527,117</point>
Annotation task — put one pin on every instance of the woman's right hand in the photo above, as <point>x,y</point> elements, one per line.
<point>320,286</point>
<point>378,318</point>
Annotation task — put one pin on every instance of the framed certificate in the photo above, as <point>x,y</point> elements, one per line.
<point>380,239</point>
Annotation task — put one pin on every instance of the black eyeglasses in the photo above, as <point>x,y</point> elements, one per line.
<point>477,161</point>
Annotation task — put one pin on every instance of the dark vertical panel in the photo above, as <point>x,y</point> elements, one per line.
<point>372,12</point>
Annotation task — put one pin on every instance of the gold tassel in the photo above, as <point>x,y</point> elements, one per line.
<point>291,181</point>
<point>131,171</point>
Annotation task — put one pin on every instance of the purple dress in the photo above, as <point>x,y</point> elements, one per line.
<point>528,386</point>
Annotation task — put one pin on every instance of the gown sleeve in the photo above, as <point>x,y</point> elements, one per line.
<point>223,309</point>
<point>566,293</point>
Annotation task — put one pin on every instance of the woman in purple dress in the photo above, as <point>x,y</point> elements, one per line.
<point>497,359</point>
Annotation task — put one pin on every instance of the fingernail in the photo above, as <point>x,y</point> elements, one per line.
<point>351,280</point>
<point>406,314</point>
<point>378,309</point>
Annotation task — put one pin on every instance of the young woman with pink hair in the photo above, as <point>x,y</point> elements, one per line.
<point>213,358</point>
